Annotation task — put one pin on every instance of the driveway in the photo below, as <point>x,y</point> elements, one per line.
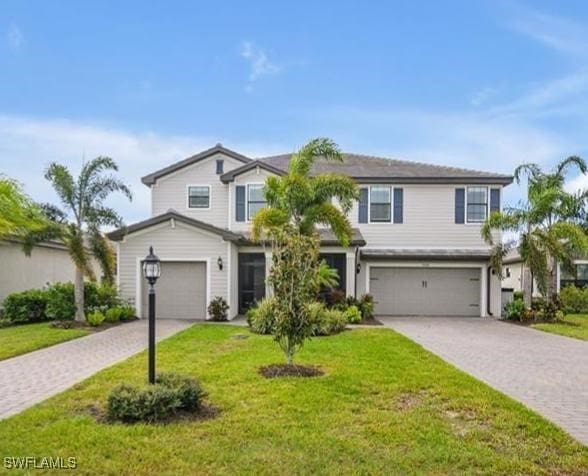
<point>31,378</point>
<point>546,372</point>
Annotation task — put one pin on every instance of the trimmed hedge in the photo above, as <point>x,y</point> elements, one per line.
<point>574,300</point>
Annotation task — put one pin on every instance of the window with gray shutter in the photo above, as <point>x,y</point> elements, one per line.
<point>363,205</point>
<point>460,205</point>
<point>240,203</point>
<point>398,205</point>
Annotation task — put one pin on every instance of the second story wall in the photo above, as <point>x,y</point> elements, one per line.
<point>171,191</point>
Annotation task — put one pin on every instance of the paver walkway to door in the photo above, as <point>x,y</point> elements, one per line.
<point>546,372</point>
<point>31,378</point>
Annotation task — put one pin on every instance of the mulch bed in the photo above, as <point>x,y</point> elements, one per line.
<point>369,322</point>
<point>85,325</point>
<point>537,321</point>
<point>290,370</point>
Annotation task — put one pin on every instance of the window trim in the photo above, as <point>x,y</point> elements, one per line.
<point>247,218</point>
<point>467,221</point>
<point>380,222</point>
<point>188,207</point>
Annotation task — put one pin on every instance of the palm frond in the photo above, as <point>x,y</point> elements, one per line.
<point>342,187</point>
<point>572,161</point>
<point>65,186</point>
<point>104,254</point>
<point>266,220</point>
<point>323,148</point>
<point>532,171</point>
<point>329,215</point>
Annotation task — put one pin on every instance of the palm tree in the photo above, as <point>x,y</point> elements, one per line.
<point>83,202</point>
<point>547,224</point>
<point>304,201</point>
<point>18,214</point>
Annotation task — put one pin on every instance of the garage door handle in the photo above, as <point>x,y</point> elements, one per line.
<point>424,284</point>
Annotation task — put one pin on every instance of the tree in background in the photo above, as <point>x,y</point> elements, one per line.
<point>548,224</point>
<point>19,215</point>
<point>79,222</point>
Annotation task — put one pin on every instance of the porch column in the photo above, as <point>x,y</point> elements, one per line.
<point>350,273</point>
<point>483,290</point>
<point>268,267</point>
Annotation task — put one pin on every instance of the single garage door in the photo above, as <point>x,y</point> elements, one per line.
<point>180,291</point>
<point>426,291</point>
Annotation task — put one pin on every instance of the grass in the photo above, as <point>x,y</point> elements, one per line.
<point>384,406</point>
<point>573,325</point>
<point>17,340</point>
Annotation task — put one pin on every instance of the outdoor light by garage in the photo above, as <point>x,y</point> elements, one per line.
<point>219,262</point>
<point>151,271</point>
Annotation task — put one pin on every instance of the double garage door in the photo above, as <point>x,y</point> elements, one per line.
<point>426,291</point>
<point>180,291</point>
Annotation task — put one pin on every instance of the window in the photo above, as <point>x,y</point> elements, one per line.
<point>477,204</point>
<point>380,204</point>
<point>255,200</point>
<point>220,166</point>
<point>199,196</point>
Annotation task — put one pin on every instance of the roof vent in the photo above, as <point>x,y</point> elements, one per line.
<point>218,144</point>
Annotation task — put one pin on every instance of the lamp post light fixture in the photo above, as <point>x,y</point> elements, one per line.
<point>151,271</point>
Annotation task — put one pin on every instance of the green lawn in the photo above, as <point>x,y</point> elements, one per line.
<point>574,325</point>
<point>384,406</point>
<point>25,338</point>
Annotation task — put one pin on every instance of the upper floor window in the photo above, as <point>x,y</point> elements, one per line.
<point>255,199</point>
<point>199,196</point>
<point>380,204</point>
<point>477,204</point>
<point>220,165</point>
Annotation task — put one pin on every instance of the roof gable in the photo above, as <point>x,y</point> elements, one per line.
<point>218,148</point>
<point>230,176</point>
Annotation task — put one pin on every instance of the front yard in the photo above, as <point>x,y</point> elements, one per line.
<point>20,339</point>
<point>385,405</point>
<point>573,325</point>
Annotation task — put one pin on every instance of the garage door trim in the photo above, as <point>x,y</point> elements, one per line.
<point>443,265</point>
<point>141,281</point>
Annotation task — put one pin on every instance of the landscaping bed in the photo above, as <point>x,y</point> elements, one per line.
<point>384,405</point>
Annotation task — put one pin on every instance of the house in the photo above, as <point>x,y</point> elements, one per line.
<point>416,236</point>
<point>49,262</point>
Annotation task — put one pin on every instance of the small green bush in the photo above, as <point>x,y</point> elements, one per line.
<point>113,314</point>
<point>60,301</point>
<point>100,295</point>
<point>5,323</point>
<point>366,306</point>
<point>326,322</point>
<point>261,317</point>
<point>171,393</point>
<point>26,306</point>
<point>574,300</point>
<point>217,309</point>
<point>352,314</point>
<point>127,312</point>
<point>95,318</point>
<point>514,310</point>
<point>518,295</point>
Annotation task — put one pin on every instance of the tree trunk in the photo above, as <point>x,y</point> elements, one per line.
<point>289,352</point>
<point>552,280</point>
<point>79,295</point>
<point>527,285</point>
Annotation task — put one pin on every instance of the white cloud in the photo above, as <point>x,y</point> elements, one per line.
<point>28,145</point>
<point>482,96</point>
<point>15,37</point>
<point>259,63</point>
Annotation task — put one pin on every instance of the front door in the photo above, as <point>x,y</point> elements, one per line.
<point>251,279</point>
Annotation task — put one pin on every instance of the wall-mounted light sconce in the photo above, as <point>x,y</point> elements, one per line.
<point>219,261</point>
<point>358,268</point>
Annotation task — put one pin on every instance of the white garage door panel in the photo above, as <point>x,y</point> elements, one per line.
<point>426,291</point>
<point>180,291</point>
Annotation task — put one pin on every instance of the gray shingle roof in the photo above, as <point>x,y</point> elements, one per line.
<point>425,253</point>
<point>327,237</point>
<point>366,168</point>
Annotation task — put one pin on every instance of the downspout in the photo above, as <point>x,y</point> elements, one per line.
<point>355,272</point>
<point>488,281</point>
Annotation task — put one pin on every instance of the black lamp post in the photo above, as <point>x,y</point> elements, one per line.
<point>151,271</point>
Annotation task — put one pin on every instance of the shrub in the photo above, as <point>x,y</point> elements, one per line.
<point>352,301</point>
<point>100,296</point>
<point>331,321</point>
<point>170,394</point>
<point>113,314</point>
<point>60,301</point>
<point>574,300</point>
<point>514,310</point>
<point>552,309</point>
<point>217,309</point>
<point>5,323</point>
<point>336,299</point>
<point>352,314</point>
<point>538,303</point>
<point>95,318</point>
<point>366,306</point>
<point>26,306</point>
<point>127,312</point>
<point>261,318</point>
<point>518,295</point>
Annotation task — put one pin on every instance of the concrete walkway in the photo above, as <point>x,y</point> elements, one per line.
<point>546,372</point>
<point>31,378</point>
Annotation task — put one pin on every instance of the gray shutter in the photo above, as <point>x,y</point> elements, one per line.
<point>363,205</point>
<point>460,205</point>
<point>240,203</point>
<point>398,205</point>
<point>494,200</point>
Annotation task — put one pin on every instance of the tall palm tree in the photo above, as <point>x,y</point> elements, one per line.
<point>302,200</point>
<point>547,224</point>
<point>84,213</point>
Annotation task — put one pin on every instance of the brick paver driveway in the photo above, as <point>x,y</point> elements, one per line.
<point>31,378</point>
<point>546,372</point>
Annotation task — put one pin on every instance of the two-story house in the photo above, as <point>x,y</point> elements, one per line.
<point>416,244</point>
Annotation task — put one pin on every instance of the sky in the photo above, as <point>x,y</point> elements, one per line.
<point>481,84</point>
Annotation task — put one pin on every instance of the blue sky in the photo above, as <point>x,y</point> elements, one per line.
<point>479,84</point>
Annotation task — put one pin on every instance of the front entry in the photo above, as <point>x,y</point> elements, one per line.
<point>251,280</point>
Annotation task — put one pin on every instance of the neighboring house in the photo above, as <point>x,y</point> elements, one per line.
<point>49,262</point>
<point>416,236</point>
